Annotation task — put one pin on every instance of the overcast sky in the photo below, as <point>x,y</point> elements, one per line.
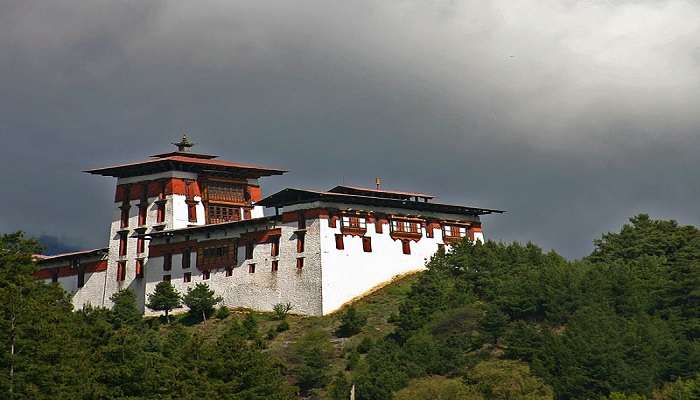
<point>570,115</point>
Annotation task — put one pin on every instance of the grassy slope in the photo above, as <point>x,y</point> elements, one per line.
<point>377,306</point>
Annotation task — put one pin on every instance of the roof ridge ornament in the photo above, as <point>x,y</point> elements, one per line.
<point>184,145</point>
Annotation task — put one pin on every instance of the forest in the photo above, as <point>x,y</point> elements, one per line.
<point>483,321</point>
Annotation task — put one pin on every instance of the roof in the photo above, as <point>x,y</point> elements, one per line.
<point>84,253</point>
<point>292,196</point>
<point>378,193</point>
<point>222,225</point>
<point>184,162</point>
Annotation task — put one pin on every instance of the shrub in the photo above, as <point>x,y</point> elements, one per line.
<point>353,360</point>
<point>124,311</point>
<point>351,323</point>
<point>281,310</point>
<point>223,312</point>
<point>283,326</point>
<point>437,388</point>
<point>365,344</point>
<point>271,334</point>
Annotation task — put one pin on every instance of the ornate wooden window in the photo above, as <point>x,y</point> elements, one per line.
<point>455,231</point>
<point>222,213</point>
<point>406,229</point>
<point>226,192</point>
<point>353,225</point>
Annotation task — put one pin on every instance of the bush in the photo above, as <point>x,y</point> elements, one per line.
<point>313,351</point>
<point>365,344</point>
<point>437,388</point>
<point>223,312</point>
<point>351,323</point>
<point>353,360</point>
<point>271,334</point>
<point>281,310</point>
<point>283,326</point>
<point>250,326</point>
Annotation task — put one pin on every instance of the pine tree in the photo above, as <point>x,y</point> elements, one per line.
<point>201,300</point>
<point>124,310</point>
<point>164,298</point>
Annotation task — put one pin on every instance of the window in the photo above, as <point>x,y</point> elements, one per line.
<point>219,214</point>
<point>167,262</point>
<point>121,271</point>
<point>215,252</point>
<point>206,275</point>
<point>140,245</point>
<point>186,259</point>
<point>143,209</point>
<point>229,271</point>
<point>300,242</point>
<point>455,231</point>
<point>332,221</point>
<point>406,246</point>
<point>405,226</point>
<point>249,247</point>
<point>367,244</point>
<point>378,226</point>
<point>191,211</point>
<point>139,268</point>
<point>354,222</point>
<point>187,277</point>
<point>301,218</point>
<point>300,263</point>
<point>339,244</point>
<point>54,275</point>
<point>275,246</point>
<point>226,192</point>
<point>125,216</point>
<point>160,212</point>
<point>166,278</point>
<point>429,230</point>
<point>251,268</point>
<point>122,243</point>
<point>275,265</point>
<point>81,277</point>
<point>247,213</point>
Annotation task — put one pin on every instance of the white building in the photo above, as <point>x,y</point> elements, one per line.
<point>190,218</point>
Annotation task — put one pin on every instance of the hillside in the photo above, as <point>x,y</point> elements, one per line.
<point>491,321</point>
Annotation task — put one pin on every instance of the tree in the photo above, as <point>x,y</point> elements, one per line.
<point>201,300</point>
<point>313,352</point>
<point>124,311</point>
<point>351,323</point>
<point>164,298</point>
<point>437,388</point>
<point>508,379</point>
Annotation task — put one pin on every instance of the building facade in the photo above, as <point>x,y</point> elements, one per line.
<point>189,218</point>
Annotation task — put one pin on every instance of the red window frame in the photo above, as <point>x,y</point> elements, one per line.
<point>143,211</point>
<point>339,243</point>
<point>367,244</point>
<point>125,216</point>
<point>122,243</point>
<point>121,271</point>
<point>406,246</point>
<point>139,268</point>
<point>275,266</point>
<point>275,246</point>
<point>300,263</point>
<point>251,268</point>
<point>300,242</point>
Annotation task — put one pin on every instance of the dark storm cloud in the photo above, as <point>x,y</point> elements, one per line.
<point>571,115</point>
